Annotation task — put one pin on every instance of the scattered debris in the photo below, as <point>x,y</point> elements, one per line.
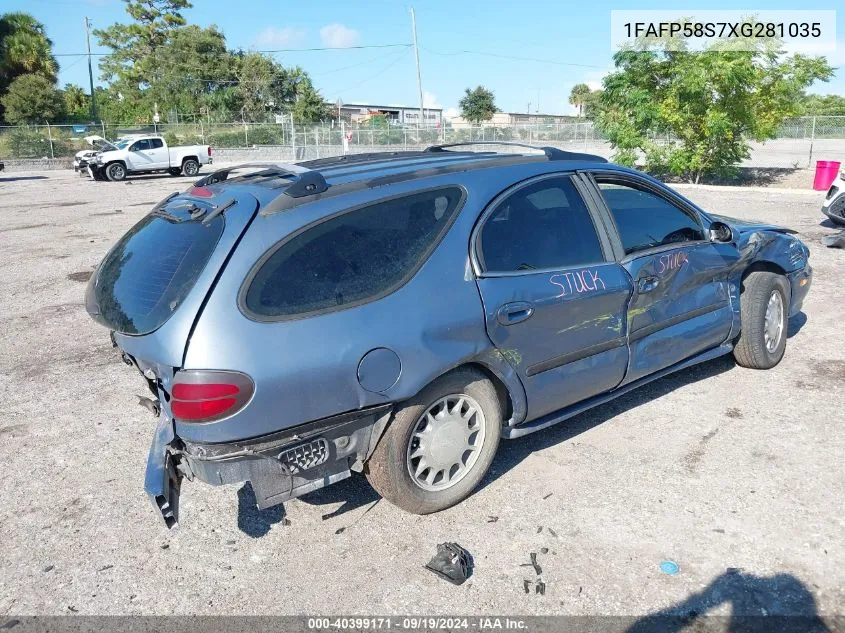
<point>526,584</point>
<point>492,519</point>
<point>105,567</point>
<point>231,541</point>
<point>547,496</point>
<point>82,275</point>
<point>340,530</point>
<point>165,546</point>
<point>48,568</point>
<point>719,530</point>
<point>669,567</point>
<point>540,588</point>
<point>544,550</point>
<point>286,521</point>
<point>552,532</point>
<point>73,609</point>
<point>452,562</point>
<point>537,569</point>
<point>834,241</point>
<point>539,529</point>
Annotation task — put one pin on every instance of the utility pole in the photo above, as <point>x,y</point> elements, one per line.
<point>417,55</point>
<point>93,103</point>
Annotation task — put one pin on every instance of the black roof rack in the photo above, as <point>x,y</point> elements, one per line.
<point>552,153</point>
<point>306,181</point>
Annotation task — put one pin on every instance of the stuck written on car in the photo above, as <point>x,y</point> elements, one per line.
<point>398,313</point>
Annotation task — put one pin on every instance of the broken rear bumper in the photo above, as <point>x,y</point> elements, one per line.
<point>279,466</point>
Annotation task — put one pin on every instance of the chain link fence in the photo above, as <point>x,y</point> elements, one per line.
<point>799,142</point>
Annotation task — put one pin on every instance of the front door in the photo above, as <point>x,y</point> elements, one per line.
<point>681,303</point>
<point>554,302</point>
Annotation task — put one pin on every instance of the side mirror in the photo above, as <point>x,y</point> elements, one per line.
<point>720,232</point>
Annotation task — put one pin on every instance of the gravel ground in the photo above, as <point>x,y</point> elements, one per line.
<point>735,475</point>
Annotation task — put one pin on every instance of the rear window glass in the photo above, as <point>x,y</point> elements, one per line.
<point>149,272</point>
<point>351,258</point>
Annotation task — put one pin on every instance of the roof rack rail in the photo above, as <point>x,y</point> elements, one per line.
<point>552,153</point>
<point>307,181</point>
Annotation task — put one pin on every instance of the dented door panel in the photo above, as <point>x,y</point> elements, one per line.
<point>681,304</point>
<point>567,341</point>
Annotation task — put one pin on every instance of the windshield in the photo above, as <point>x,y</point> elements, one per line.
<point>122,143</point>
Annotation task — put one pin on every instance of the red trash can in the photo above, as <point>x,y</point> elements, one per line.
<point>826,171</point>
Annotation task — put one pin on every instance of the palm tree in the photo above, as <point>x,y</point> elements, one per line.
<point>24,48</point>
<point>578,97</point>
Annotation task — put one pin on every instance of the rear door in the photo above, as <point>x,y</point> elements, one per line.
<point>681,302</point>
<point>554,300</point>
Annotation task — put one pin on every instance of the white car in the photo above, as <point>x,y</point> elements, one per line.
<point>145,154</point>
<point>834,203</point>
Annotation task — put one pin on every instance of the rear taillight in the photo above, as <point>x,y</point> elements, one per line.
<point>209,150</point>
<point>205,395</point>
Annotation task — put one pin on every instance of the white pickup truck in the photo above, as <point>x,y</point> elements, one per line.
<point>145,154</point>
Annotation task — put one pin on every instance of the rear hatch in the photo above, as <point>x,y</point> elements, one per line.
<point>152,285</point>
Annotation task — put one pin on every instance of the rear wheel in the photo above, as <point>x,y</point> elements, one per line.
<point>763,306</point>
<point>439,444</point>
<point>115,172</point>
<point>190,167</point>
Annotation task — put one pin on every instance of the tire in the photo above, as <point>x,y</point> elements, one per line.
<point>190,167</point>
<point>115,172</point>
<point>836,211</point>
<point>758,347</point>
<point>388,469</point>
<point>174,171</point>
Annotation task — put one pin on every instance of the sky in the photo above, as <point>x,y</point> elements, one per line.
<point>529,54</point>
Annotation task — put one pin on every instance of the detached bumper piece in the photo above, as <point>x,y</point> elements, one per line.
<point>163,479</point>
<point>290,463</point>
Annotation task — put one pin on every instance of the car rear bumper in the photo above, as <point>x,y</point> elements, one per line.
<point>800,282</point>
<point>280,466</point>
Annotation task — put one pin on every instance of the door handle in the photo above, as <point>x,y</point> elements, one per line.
<point>647,284</point>
<point>516,312</point>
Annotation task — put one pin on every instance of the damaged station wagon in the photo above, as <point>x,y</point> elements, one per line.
<point>398,313</point>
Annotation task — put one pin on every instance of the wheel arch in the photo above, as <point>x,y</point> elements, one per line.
<point>194,158</point>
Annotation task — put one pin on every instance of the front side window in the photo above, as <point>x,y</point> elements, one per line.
<point>358,256</point>
<point>545,225</point>
<point>646,220</point>
<point>141,145</point>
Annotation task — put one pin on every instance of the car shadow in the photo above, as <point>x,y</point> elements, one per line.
<point>794,325</point>
<point>512,453</point>
<point>758,604</point>
<point>13,178</point>
<point>830,224</point>
<point>253,522</point>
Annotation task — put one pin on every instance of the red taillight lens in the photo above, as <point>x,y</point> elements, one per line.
<point>209,150</point>
<point>200,409</point>
<point>204,395</point>
<point>201,192</point>
<point>185,391</point>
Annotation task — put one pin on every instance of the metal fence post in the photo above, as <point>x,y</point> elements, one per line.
<point>812,138</point>
<point>50,136</point>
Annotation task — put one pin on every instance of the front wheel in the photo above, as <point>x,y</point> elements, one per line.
<point>191,167</point>
<point>115,172</point>
<point>763,308</point>
<point>439,445</point>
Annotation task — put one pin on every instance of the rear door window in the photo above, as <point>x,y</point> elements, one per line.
<point>542,226</point>
<point>351,258</point>
<point>149,272</point>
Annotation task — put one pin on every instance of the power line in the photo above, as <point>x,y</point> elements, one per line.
<point>272,51</point>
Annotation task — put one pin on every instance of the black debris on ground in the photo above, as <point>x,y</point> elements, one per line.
<point>492,519</point>
<point>547,496</point>
<point>834,241</point>
<point>451,562</point>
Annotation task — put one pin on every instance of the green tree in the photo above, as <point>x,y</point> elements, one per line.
<point>710,103</point>
<point>24,48</point>
<point>477,105</point>
<point>578,96</point>
<point>32,99</point>
<point>75,102</point>
<point>823,105</point>
<point>310,106</point>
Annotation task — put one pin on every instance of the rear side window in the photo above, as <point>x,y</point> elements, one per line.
<point>155,143</point>
<point>149,272</point>
<point>352,258</point>
<point>544,225</point>
<point>646,220</point>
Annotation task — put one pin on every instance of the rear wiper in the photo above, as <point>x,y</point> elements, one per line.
<point>218,210</point>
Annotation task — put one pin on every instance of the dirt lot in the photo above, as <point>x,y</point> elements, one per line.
<point>735,475</point>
